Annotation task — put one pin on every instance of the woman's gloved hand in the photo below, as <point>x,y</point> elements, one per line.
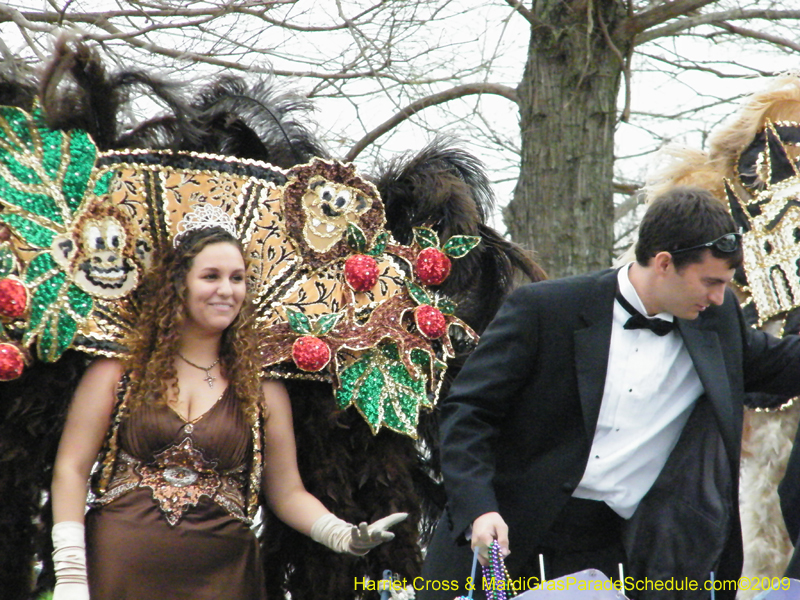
<point>341,536</point>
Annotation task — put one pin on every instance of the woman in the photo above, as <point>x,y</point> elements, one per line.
<point>181,419</point>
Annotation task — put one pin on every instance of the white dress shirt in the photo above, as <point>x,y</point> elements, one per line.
<point>651,387</point>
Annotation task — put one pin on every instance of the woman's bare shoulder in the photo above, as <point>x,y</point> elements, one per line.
<point>104,371</point>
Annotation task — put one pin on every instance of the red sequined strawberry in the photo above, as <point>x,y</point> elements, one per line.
<point>12,362</point>
<point>430,321</point>
<point>13,298</point>
<point>433,266</point>
<point>310,353</point>
<point>361,272</point>
<point>433,261</point>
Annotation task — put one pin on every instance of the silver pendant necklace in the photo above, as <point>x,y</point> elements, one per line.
<point>209,378</point>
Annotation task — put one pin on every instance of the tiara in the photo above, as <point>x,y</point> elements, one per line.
<point>204,216</point>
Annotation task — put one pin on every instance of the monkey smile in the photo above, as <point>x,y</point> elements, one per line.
<point>111,278</point>
<point>329,211</point>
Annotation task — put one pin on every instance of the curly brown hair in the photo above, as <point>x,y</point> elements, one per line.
<point>154,341</point>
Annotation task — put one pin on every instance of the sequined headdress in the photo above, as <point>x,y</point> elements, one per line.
<point>338,298</point>
<point>760,150</point>
<point>770,219</point>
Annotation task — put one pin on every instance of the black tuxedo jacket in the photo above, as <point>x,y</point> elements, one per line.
<point>518,424</point>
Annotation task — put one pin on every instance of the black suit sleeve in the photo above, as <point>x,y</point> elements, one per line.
<point>478,402</point>
<point>770,365</point>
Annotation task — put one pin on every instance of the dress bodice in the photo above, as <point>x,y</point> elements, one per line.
<point>221,434</point>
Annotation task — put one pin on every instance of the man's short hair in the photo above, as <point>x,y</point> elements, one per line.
<point>682,218</point>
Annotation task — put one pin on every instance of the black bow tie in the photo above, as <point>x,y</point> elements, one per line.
<point>639,321</point>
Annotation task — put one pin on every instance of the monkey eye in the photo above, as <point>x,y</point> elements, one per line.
<point>342,200</point>
<point>114,235</point>
<point>94,238</point>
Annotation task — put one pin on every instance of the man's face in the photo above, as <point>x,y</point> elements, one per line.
<point>687,292</point>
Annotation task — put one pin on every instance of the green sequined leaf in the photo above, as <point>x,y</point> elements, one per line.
<point>326,323</point>
<point>298,321</point>
<point>460,245</point>
<point>57,336</point>
<point>79,301</point>
<point>379,245</point>
<point>44,174</point>
<point>82,152</point>
<point>51,152</point>
<point>44,303</point>
<point>19,173</point>
<point>31,203</point>
<point>41,265</point>
<point>356,238</point>
<point>57,308</point>
<point>383,390</point>
<point>426,237</point>
<point>103,183</point>
<point>16,128</point>
<point>422,359</point>
<point>418,293</point>
<point>348,377</point>
<point>34,234</point>
<point>447,306</point>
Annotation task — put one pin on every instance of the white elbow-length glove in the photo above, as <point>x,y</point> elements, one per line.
<point>69,561</point>
<point>341,536</point>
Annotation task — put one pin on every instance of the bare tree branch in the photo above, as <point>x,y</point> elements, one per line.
<point>660,13</point>
<point>413,108</point>
<point>628,189</point>
<point>696,20</point>
<point>522,10</point>
<point>760,35</point>
<point>9,14</point>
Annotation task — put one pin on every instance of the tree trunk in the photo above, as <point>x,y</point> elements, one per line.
<point>563,202</point>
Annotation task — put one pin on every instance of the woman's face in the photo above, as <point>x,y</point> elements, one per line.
<point>215,287</point>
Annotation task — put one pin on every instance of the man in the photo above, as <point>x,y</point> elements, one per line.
<point>575,432</point>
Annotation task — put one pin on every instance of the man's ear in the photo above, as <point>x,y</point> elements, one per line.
<point>662,261</point>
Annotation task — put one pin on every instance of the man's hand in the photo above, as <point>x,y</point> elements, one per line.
<point>485,529</point>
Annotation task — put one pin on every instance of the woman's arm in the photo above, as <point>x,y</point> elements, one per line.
<point>287,496</point>
<point>283,488</point>
<point>88,421</point>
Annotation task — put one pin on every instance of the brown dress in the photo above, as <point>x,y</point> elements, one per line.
<point>172,523</point>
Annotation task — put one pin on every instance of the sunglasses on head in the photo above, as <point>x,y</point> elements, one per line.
<point>725,243</point>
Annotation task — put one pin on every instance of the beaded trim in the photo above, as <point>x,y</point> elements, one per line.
<point>178,478</point>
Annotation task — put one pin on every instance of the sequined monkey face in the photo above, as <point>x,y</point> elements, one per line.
<point>329,207</point>
<point>99,255</point>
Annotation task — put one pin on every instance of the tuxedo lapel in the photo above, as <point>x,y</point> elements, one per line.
<point>592,346</point>
<point>709,362</point>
